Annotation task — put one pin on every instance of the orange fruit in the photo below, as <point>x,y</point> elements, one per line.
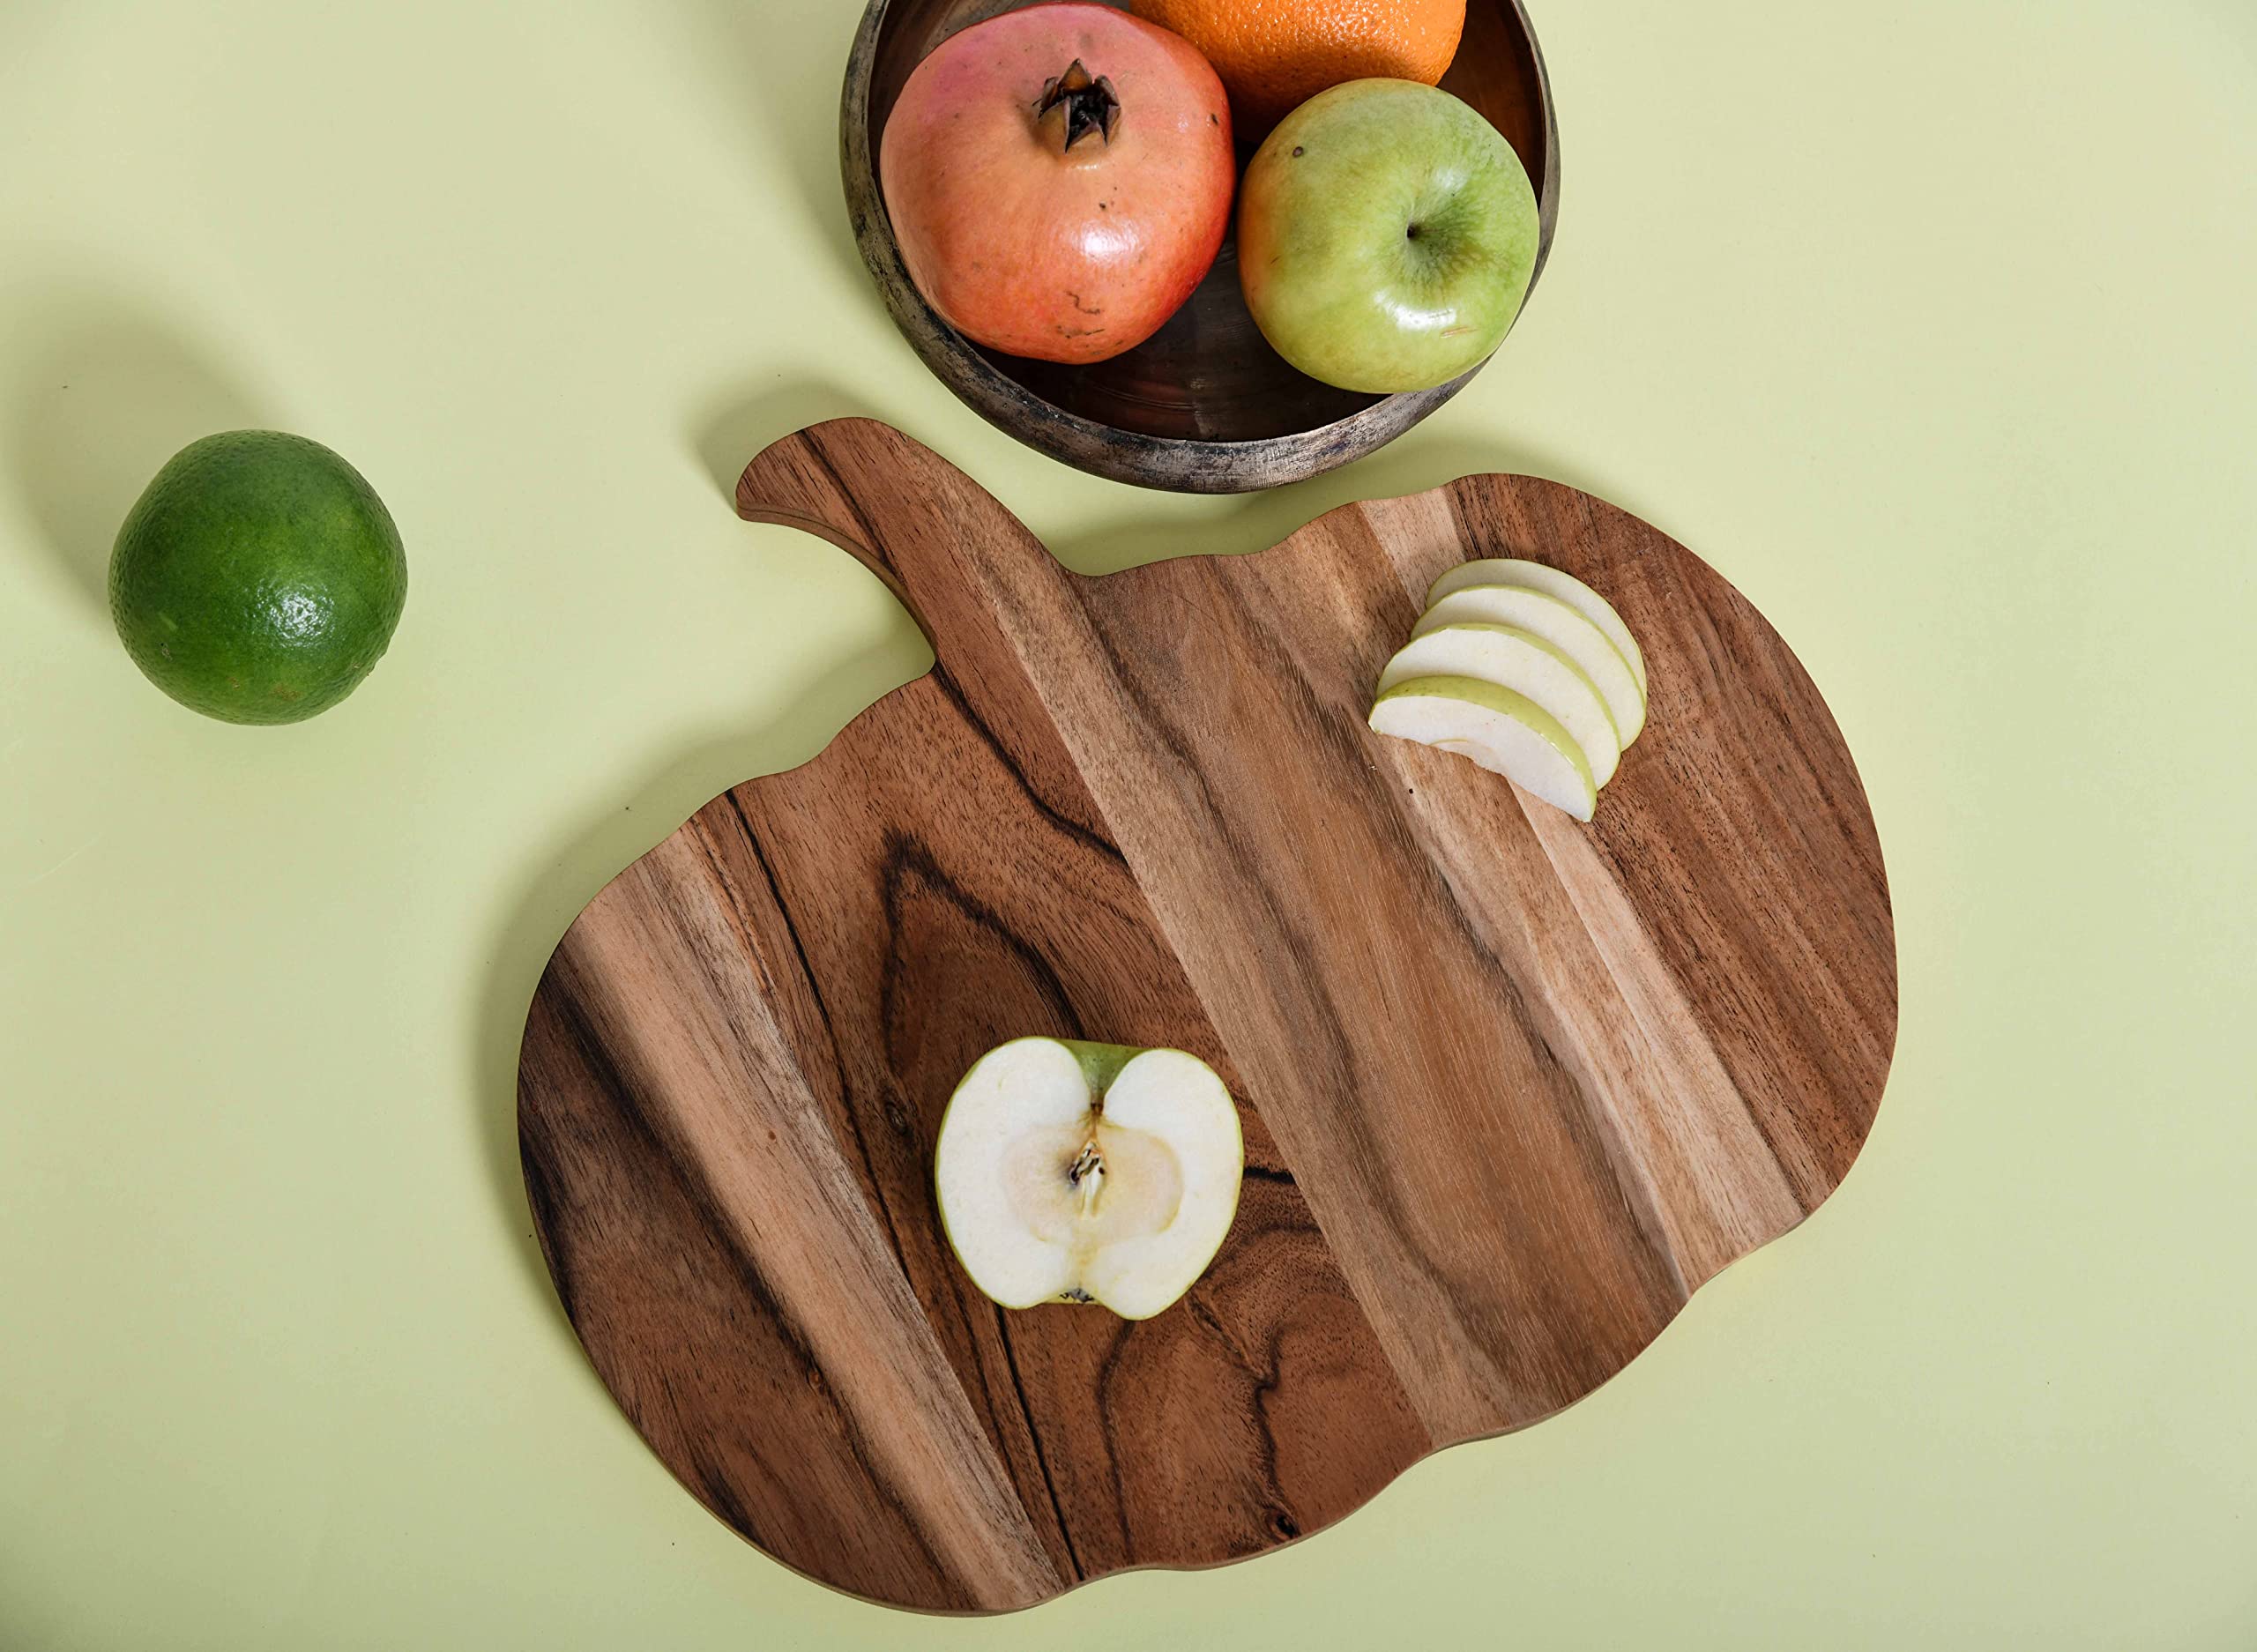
<point>1274,56</point>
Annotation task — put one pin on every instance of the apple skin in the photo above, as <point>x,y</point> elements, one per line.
<point>1101,1063</point>
<point>1386,236</point>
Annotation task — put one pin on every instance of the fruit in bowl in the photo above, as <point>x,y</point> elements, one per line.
<point>1386,236</point>
<point>1059,179</point>
<point>1273,57</point>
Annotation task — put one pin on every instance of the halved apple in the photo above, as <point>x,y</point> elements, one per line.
<point>1526,664</point>
<point>1088,1172</point>
<point>1506,732</point>
<point>1530,610</point>
<point>1552,582</point>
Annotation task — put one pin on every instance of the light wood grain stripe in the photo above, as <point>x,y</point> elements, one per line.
<point>742,1113</point>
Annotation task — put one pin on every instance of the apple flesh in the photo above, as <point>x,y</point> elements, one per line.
<point>1526,670</point>
<point>1565,628</point>
<point>1553,582</point>
<point>1526,664</point>
<point>1505,733</point>
<point>1069,1172</point>
<point>1386,236</point>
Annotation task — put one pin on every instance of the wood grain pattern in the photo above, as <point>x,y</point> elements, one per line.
<point>1204,406</point>
<point>1512,1087</point>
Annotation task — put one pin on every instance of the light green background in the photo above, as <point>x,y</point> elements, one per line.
<point>1929,325</point>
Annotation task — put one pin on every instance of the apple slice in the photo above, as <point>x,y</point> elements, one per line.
<point>1530,610</point>
<point>1506,732</point>
<point>1088,1172</point>
<point>1526,664</point>
<point>1552,582</point>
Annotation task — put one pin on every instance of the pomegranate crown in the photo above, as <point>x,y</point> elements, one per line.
<point>1073,106</point>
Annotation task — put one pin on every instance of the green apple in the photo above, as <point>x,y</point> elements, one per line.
<point>1088,1172</point>
<point>1506,732</point>
<point>1553,582</point>
<point>1527,609</point>
<point>1526,664</point>
<point>1386,236</point>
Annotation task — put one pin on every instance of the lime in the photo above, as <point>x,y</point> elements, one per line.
<point>258,578</point>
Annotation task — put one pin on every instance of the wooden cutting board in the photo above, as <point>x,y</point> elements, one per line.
<point>1512,1087</point>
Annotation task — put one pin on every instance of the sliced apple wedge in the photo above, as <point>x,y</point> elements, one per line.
<point>1552,582</point>
<point>1529,609</point>
<point>1506,732</point>
<point>1088,1172</point>
<point>1526,664</point>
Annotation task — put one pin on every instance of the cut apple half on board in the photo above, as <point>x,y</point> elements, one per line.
<point>1088,1172</point>
<point>1506,732</point>
<point>1552,582</point>
<point>1526,664</point>
<point>1565,626</point>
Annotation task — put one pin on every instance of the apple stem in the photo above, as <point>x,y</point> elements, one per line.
<point>1073,106</point>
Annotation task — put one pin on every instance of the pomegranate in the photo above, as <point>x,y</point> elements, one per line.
<point>1059,179</point>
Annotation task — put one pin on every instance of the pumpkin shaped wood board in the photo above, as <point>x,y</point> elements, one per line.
<point>1511,1087</point>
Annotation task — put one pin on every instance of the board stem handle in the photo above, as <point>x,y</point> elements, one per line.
<point>976,582</point>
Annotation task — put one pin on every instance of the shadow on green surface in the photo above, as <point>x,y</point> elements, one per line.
<point>110,399</point>
<point>1174,526</point>
<point>730,430</point>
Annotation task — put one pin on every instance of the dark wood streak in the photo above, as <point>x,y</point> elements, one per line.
<point>1264,1374</point>
<point>694,1188</point>
<point>1110,1416</point>
<point>1016,1425</point>
<point>705,1478</point>
<point>1510,1087</point>
<point>907,857</point>
<point>1034,1436</point>
<point>815,985</point>
<point>1057,817</point>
